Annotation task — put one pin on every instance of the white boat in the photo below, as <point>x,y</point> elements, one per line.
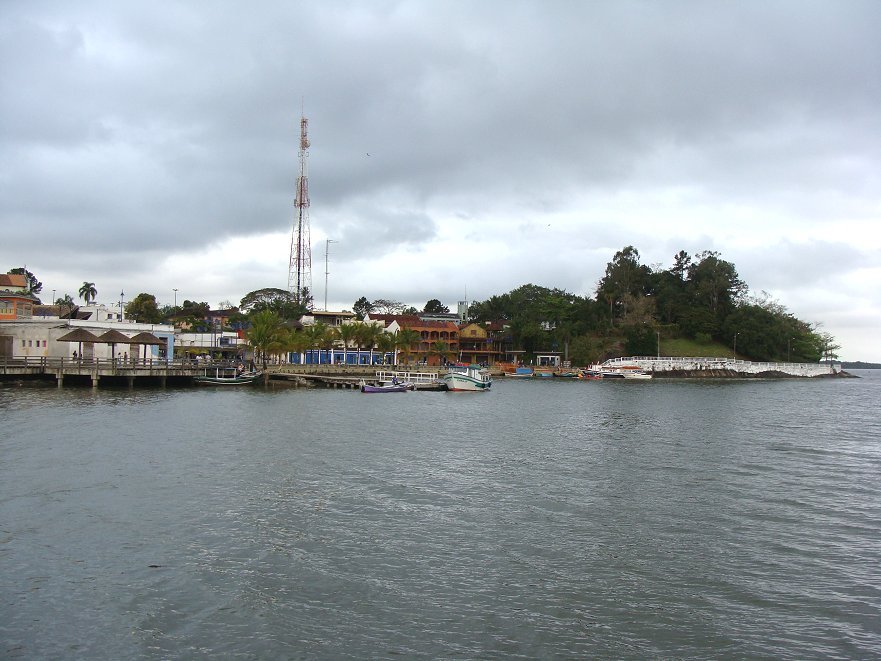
<point>637,374</point>
<point>467,377</point>
<point>226,377</point>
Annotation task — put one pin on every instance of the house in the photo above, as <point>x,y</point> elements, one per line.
<point>16,302</point>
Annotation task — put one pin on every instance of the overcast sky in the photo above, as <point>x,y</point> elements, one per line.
<point>458,148</point>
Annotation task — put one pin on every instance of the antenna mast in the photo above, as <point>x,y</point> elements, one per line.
<point>300,268</point>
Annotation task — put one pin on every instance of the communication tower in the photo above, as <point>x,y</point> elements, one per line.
<point>300,268</point>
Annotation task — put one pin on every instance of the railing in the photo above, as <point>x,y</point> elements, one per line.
<point>50,364</point>
<point>411,377</point>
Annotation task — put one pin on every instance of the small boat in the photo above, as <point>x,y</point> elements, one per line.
<point>521,373</point>
<point>637,374</point>
<point>467,378</point>
<point>393,386</point>
<point>400,387</point>
<point>227,377</point>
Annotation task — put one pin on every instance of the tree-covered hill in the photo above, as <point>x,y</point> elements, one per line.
<point>635,308</point>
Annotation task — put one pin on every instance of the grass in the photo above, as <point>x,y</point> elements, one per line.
<point>686,347</point>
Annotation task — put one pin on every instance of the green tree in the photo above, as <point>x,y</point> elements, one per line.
<point>434,306</point>
<point>715,283</point>
<point>348,334</point>
<point>386,343</point>
<point>88,292</point>
<point>34,286</point>
<point>280,301</point>
<point>362,308</point>
<point>405,339</point>
<point>266,334</point>
<point>624,275</point>
<point>367,336</point>
<point>143,308</point>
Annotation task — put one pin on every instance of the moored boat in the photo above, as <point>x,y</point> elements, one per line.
<point>227,377</point>
<point>389,388</point>
<point>467,378</point>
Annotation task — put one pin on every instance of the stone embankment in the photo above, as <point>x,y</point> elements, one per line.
<point>715,367</point>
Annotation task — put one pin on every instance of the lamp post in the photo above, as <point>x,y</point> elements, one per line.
<point>175,296</point>
<point>326,271</point>
<point>658,333</point>
<point>735,346</point>
<point>789,349</point>
<point>121,298</point>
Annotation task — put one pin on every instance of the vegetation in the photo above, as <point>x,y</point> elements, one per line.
<point>699,300</point>
<point>34,286</point>
<point>88,292</point>
<point>143,308</point>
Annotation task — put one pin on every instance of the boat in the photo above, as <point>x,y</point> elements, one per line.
<point>227,377</point>
<point>393,386</point>
<point>521,372</point>
<point>400,387</point>
<point>467,378</point>
<point>637,374</point>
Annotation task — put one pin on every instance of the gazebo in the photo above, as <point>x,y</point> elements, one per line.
<point>146,339</point>
<point>80,335</point>
<point>114,337</point>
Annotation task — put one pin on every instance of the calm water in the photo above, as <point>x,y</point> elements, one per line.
<point>541,520</point>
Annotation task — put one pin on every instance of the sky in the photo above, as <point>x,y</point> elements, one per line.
<point>459,149</point>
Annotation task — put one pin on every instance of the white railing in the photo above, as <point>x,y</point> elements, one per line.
<point>410,377</point>
<point>673,364</point>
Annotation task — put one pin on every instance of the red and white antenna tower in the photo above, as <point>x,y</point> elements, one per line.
<point>300,268</point>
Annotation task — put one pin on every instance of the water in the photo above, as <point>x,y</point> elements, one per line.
<point>547,519</point>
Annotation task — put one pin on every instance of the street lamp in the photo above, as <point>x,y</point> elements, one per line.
<point>121,298</point>
<point>175,296</point>
<point>658,333</point>
<point>735,346</point>
<point>789,349</point>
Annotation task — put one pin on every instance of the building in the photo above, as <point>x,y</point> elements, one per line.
<point>16,302</point>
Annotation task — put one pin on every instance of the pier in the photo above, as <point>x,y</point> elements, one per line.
<point>661,366</point>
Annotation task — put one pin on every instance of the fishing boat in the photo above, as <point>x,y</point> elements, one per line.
<point>393,386</point>
<point>467,378</point>
<point>400,387</point>
<point>226,376</point>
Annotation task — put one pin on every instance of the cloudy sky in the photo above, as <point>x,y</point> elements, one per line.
<point>458,148</point>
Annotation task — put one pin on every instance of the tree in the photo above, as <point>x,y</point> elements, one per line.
<point>367,336</point>
<point>362,308</point>
<point>715,283</point>
<point>143,308</point>
<point>66,303</point>
<point>386,306</point>
<point>280,301</point>
<point>266,334</point>
<point>386,343</point>
<point>88,292</point>
<point>34,286</point>
<point>405,339</point>
<point>347,334</point>
<point>434,306</point>
<point>441,349</point>
<point>624,275</point>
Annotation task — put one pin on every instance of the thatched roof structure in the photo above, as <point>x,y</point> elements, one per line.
<point>79,335</point>
<point>145,338</point>
<point>113,336</point>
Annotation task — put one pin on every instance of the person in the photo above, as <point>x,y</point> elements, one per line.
<point>74,354</point>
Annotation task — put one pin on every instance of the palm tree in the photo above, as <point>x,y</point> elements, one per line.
<point>266,333</point>
<point>440,348</point>
<point>405,339</point>
<point>88,292</point>
<point>386,342</point>
<point>368,335</point>
<point>298,342</point>
<point>348,334</point>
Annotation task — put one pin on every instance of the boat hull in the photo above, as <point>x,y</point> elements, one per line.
<point>467,380</point>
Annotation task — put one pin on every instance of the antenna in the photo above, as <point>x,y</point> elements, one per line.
<point>300,265</point>
<point>326,271</point>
